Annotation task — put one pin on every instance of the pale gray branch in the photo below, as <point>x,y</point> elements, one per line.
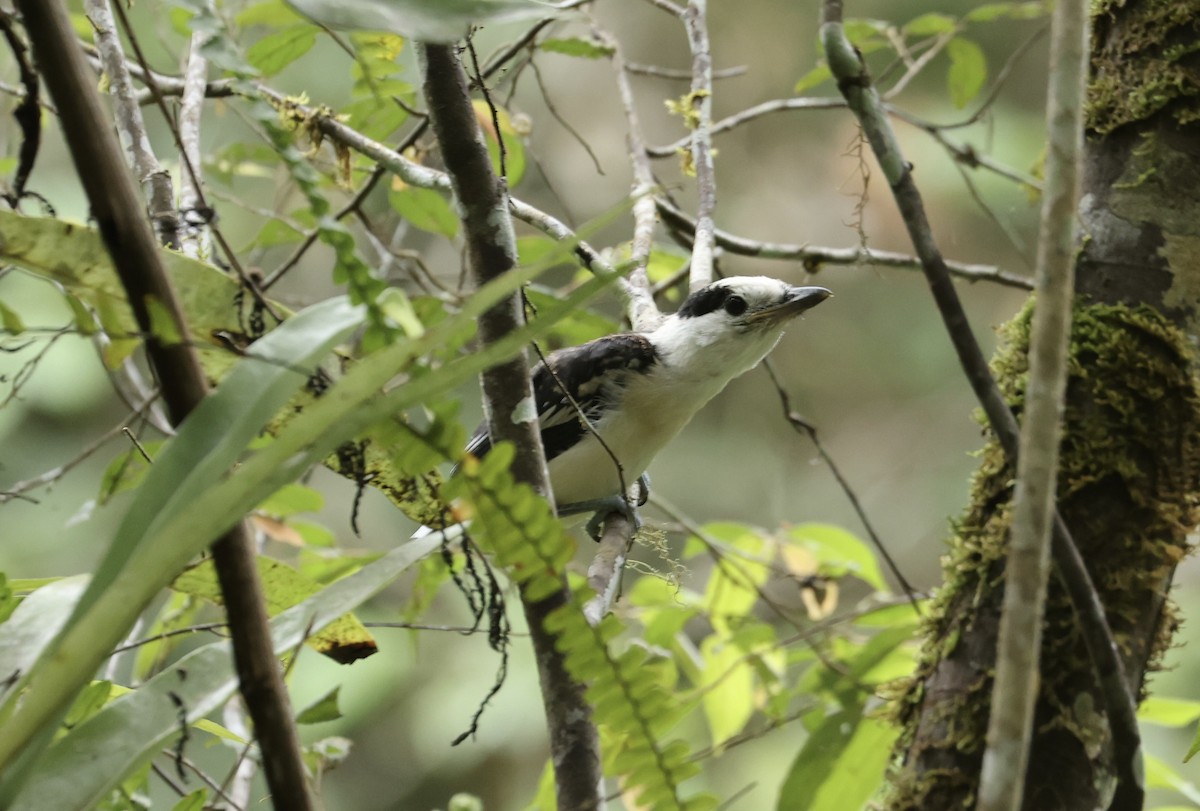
<point>1015,690</point>
<point>699,107</point>
<point>131,127</point>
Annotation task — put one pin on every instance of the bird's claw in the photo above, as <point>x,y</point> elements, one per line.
<point>602,507</point>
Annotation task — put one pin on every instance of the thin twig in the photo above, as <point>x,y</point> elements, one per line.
<point>749,114</point>
<point>814,257</point>
<point>53,475</point>
<point>808,429</point>
<point>659,72</point>
<point>699,111</point>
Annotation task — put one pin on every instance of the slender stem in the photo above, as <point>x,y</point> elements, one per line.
<point>491,252</point>
<point>116,207</point>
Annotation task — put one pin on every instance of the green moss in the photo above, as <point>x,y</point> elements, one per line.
<point>1143,69</point>
<point>1129,488</point>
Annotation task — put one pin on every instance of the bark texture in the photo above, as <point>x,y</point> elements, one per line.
<point>1129,486</point>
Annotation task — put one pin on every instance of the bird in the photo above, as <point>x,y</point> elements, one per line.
<point>607,407</point>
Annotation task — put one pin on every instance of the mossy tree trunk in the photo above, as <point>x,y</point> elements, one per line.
<point>1129,484</point>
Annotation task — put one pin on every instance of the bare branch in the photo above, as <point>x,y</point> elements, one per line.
<point>699,100</point>
<point>1015,689</point>
<point>643,312</point>
<point>814,257</point>
<point>749,114</point>
<point>155,181</point>
<point>658,72</point>
<point>195,78</point>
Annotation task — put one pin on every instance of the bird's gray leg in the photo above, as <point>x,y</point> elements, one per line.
<point>601,507</point>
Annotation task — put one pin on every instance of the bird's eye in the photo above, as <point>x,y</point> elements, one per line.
<point>735,305</point>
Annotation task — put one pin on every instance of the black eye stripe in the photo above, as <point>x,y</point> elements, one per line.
<point>704,301</point>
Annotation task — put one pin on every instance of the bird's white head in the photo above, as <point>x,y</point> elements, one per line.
<point>729,326</point>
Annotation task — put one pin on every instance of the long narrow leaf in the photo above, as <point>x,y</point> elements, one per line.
<point>207,445</point>
<point>82,768</point>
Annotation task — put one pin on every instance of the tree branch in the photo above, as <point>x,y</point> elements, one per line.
<point>118,212</point>
<point>815,257</point>
<point>155,181</point>
<point>508,393</point>
<point>699,100</point>
<point>854,83</point>
<point>1015,690</point>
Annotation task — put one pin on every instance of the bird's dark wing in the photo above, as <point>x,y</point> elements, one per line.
<point>592,374</point>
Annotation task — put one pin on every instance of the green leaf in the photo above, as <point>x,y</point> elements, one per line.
<point>323,709</point>
<point>291,499</point>
<point>514,149</point>
<point>1011,11</point>
<point>817,76</point>
<point>576,46</point>
<point>840,765</point>
<point>35,622</point>
<point>269,12</point>
<point>1160,775</point>
<point>10,321</point>
<point>727,682</point>
<point>429,20</point>
<point>968,71</point>
<point>1168,712</point>
<point>424,208</point>
<point>139,561</point>
<point>127,470</point>
<point>929,25</point>
<point>344,640</point>
<point>196,801</point>
<point>839,553</point>
<point>276,51</point>
<point>133,728</point>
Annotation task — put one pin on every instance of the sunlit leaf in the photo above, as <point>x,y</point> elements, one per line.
<point>1011,11</point>
<point>968,70</point>
<point>818,75</point>
<point>323,709</point>
<point>424,208</point>
<point>291,499</point>
<point>840,765</point>
<point>839,553</point>
<point>10,321</point>
<point>343,640</point>
<point>1168,712</point>
<point>276,51</point>
<point>127,470</point>
<point>727,685</point>
<point>930,24</point>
